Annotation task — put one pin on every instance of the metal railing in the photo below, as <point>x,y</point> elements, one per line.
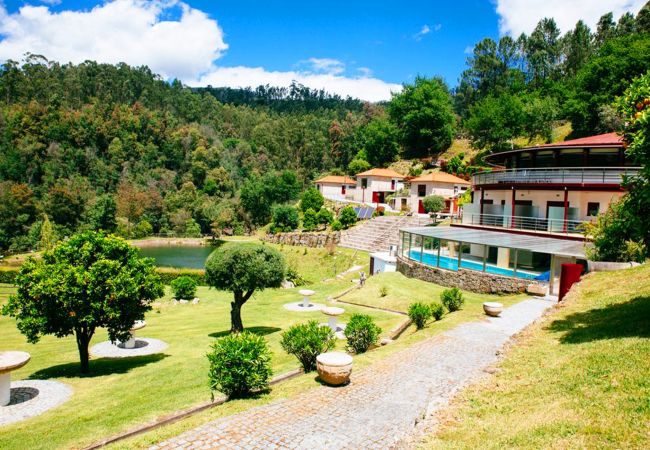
<point>576,175</point>
<point>539,224</point>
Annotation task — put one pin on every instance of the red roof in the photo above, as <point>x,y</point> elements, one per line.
<point>336,179</point>
<point>439,177</point>
<point>385,173</point>
<point>614,139</point>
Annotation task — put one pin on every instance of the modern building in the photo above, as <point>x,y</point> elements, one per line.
<point>335,187</point>
<point>526,217</point>
<point>374,185</point>
<point>446,185</point>
<point>552,188</point>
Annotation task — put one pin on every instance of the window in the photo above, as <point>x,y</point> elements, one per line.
<point>318,187</point>
<point>604,157</point>
<point>364,183</point>
<point>593,208</point>
<point>392,185</point>
<point>422,190</point>
<point>571,157</point>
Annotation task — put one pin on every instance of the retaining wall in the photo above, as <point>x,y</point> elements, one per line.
<point>469,280</point>
<point>304,239</point>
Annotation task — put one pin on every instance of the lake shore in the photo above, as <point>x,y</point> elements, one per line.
<point>171,241</point>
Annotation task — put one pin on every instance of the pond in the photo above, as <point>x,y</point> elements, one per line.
<point>181,256</point>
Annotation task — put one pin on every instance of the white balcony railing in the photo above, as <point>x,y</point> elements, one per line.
<point>538,224</point>
<point>563,175</point>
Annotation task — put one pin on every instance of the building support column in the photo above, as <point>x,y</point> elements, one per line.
<point>512,208</point>
<point>485,252</point>
<point>481,206</point>
<point>503,257</point>
<point>566,209</point>
<point>551,276</point>
<point>460,251</point>
<point>514,267</point>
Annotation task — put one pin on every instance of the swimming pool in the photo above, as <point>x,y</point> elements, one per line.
<point>452,264</point>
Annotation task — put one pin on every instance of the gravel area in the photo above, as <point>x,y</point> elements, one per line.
<point>143,346</point>
<point>30,398</point>
<point>381,406</point>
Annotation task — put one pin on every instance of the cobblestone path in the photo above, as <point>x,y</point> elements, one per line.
<point>383,402</point>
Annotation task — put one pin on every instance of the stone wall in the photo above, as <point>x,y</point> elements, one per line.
<point>304,239</point>
<point>469,280</point>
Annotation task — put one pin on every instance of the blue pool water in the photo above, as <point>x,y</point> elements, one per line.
<point>452,264</point>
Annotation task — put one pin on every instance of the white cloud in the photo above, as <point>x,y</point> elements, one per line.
<point>140,32</point>
<point>437,27</point>
<point>521,16</point>
<point>423,31</point>
<point>363,87</point>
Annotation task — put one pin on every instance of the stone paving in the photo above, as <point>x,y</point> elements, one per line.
<point>143,346</point>
<point>381,406</point>
<point>30,398</point>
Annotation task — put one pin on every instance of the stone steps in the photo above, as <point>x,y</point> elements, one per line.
<point>379,233</point>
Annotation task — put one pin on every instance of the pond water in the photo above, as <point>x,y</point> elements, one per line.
<point>190,257</point>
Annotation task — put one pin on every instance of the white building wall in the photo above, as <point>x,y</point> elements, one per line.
<point>375,184</point>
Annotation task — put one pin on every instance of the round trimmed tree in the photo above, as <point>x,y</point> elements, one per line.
<point>89,281</point>
<point>242,269</point>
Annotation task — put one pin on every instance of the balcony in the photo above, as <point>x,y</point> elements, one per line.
<point>541,225</point>
<point>557,175</point>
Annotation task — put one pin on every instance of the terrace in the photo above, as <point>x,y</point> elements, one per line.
<point>581,176</point>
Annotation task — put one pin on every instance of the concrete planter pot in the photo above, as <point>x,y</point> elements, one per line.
<point>334,368</point>
<point>492,309</point>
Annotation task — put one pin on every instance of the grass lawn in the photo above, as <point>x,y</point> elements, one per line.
<point>578,379</point>
<point>119,394</point>
<point>403,291</point>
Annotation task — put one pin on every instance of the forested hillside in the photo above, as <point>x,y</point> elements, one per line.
<point>117,148</point>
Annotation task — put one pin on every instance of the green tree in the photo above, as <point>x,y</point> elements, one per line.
<point>254,198</point>
<point>311,199</point>
<point>357,166</point>
<point>102,213</point>
<point>309,220</point>
<point>86,282</point>
<point>347,217</point>
<point>433,204</point>
<point>285,218</point>
<point>242,269</point>
<point>495,121</point>
<point>48,237</point>
<point>380,142</point>
<point>424,115</point>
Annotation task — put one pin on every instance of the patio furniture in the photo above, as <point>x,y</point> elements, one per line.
<point>10,361</point>
<point>333,312</point>
<point>306,293</point>
<point>334,368</point>
<point>492,309</point>
<point>137,325</point>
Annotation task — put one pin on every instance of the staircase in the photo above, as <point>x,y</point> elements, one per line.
<point>376,235</point>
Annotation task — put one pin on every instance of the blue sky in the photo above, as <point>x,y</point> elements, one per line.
<point>361,48</point>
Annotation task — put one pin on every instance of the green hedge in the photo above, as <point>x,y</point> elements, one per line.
<point>8,274</point>
<point>167,274</point>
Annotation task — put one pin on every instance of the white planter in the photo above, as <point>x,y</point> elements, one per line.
<point>334,368</point>
<point>492,308</point>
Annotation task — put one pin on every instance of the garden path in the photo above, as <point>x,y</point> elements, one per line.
<point>382,404</point>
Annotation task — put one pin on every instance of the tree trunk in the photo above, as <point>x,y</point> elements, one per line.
<point>83,339</point>
<point>236,325</point>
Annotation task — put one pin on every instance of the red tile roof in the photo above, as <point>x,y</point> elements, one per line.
<point>386,173</point>
<point>614,139</point>
<point>439,177</point>
<point>336,179</point>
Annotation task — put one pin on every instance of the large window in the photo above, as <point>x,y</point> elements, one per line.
<point>422,190</point>
<point>364,183</point>
<point>604,157</point>
<point>571,157</point>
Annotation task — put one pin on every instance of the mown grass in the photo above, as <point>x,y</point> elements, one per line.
<point>119,394</point>
<point>578,379</point>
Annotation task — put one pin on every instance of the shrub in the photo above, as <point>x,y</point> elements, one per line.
<point>306,341</point>
<point>361,332</point>
<point>8,274</point>
<point>347,217</point>
<point>433,203</point>
<point>169,274</point>
<point>309,220</point>
<point>285,218</point>
<point>419,313</point>
<point>294,276</point>
<point>184,287</point>
<point>337,225</point>
<point>437,310</point>
<point>383,291</point>
<point>142,229</point>
<point>192,229</point>
<point>452,298</point>
<point>325,216</point>
<point>358,165</point>
<point>311,199</point>
<point>239,364</point>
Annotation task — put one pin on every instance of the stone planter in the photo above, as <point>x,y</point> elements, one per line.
<point>334,368</point>
<point>492,308</point>
<point>537,289</point>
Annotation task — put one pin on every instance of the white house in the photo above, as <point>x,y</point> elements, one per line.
<point>335,187</point>
<point>443,184</point>
<point>374,185</point>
